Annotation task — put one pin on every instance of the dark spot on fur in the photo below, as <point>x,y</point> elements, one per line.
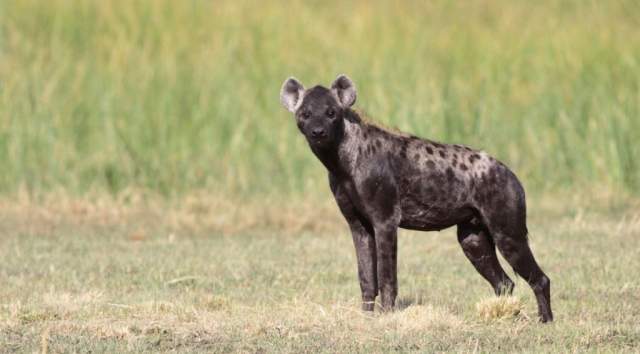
<point>416,156</point>
<point>430,164</point>
<point>463,166</point>
<point>429,150</point>
<point>473,157</point>
<point>438,145</point>
<point>378,143</point>
<point>451,176</point>
<point>442,154</point>
<point>403,151</point>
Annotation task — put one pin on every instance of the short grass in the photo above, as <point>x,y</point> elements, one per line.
<point>106,280</point>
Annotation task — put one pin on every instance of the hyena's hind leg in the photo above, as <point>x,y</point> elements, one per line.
<point>481,251</point>
<point>517,252</point>
<point>506,219</point>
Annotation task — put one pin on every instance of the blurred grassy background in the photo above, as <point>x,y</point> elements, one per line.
<point>176,96</point>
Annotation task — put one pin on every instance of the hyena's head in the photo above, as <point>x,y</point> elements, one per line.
<point>319,111</point>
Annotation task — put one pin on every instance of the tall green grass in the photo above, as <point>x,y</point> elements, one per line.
<point>173,96</point>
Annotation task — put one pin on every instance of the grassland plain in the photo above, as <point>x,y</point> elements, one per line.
<point>96,277</point>
<point>154,196</point>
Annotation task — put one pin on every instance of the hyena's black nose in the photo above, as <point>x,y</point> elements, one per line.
<point>317,132</point>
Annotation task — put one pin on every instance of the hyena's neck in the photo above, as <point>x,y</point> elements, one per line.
<point>341,158</point>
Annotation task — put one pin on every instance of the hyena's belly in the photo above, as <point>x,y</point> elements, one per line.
<point>433,216</point>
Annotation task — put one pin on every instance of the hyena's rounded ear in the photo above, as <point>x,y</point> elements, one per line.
<point>291,94</point>
<point>345,90</point>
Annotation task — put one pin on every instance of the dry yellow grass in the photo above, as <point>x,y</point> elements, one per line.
<point>142,212</point>
<point>500,308</point>
<point>196,212</point>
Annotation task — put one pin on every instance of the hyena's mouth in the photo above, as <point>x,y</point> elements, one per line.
<point>321,144</point>
<point>320,140</point>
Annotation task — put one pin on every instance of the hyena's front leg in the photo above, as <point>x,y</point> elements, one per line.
<point>365,243</point>
<point>379,192</point>
<point>387,259</point>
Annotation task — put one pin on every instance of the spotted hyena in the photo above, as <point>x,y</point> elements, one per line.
<point>382,180</point>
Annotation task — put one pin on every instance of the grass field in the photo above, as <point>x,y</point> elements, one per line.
<point>174,95</point>
<point>101,280</point>
<point>155,196</point>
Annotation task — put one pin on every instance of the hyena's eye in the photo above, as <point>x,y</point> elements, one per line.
<point>306,114</point>
<point>331,113</point>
